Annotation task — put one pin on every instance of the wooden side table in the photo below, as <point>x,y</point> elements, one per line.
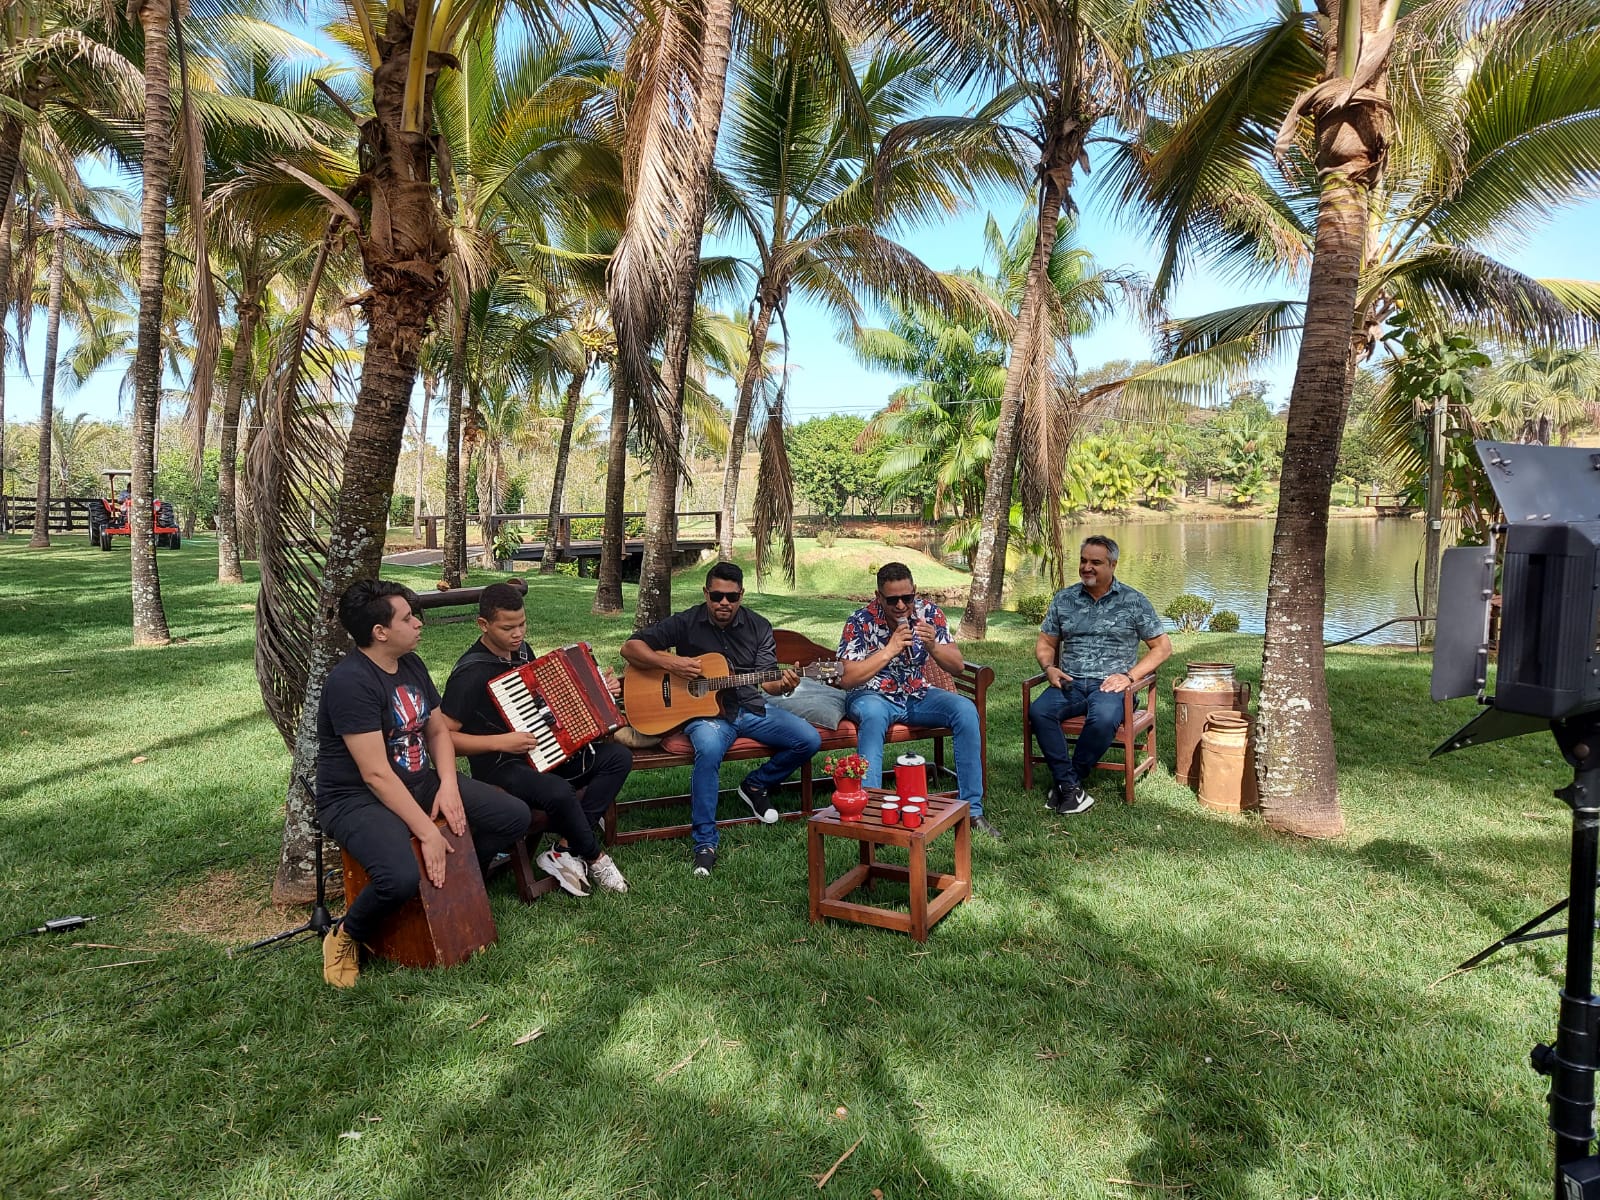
<point>947,890</point>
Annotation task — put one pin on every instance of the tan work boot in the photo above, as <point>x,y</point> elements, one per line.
<point>341,958</point>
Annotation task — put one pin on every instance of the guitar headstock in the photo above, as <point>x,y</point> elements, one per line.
<point>825,670</point>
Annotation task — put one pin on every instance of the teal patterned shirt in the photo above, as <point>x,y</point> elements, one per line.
<point>1100,637</point>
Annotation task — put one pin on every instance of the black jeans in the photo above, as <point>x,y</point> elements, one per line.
<point>380,841</point>
<point>555,792</point>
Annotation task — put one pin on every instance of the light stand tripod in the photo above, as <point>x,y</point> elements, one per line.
<point>1571,1062</point>
<point>319,922</point>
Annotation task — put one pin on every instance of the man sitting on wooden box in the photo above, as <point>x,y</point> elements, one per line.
<point>386,767</point>
<point>886,648</point>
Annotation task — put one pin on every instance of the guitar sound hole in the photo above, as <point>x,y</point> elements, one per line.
<point>697,688</point>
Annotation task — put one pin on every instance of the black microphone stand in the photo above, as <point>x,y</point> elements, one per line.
<point>319,922</point>
<point>1571,1062</point>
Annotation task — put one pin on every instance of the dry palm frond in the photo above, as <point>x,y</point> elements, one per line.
<point>293,471</point>
<point>774,507</point>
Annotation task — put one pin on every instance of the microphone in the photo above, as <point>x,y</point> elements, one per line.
<point>916,643</point>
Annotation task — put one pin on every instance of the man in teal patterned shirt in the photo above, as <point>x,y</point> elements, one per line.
<point>1088,647</point>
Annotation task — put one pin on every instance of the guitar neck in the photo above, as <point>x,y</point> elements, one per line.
<point>716,683</point>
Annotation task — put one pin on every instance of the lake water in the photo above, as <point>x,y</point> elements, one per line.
<point>1374,569</point>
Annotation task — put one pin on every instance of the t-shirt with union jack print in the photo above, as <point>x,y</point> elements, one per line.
<point>361,697</point>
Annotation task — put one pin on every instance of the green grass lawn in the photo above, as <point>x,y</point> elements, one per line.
<point>1139,1002</point>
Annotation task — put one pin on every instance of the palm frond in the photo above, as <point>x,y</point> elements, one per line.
<point>774,507</point>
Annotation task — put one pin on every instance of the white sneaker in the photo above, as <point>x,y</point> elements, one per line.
<point>603,871</point>
<point>567,870</point>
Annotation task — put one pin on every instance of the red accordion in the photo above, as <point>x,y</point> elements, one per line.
<point>562,699</point>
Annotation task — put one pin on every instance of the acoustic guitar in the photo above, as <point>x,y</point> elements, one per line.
<point>659,702</point>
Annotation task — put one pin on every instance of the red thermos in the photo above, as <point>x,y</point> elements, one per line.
<point>911,775</point>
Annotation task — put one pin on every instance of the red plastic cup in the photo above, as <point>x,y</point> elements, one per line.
<point>911,815</point>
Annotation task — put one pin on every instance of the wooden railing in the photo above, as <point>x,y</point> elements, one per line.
<point>564,520</point>
<point>66,514</point>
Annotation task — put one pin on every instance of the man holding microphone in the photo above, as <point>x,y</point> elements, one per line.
<point>885,648</point>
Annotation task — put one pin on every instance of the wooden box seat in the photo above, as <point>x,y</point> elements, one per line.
<point>676,750</point>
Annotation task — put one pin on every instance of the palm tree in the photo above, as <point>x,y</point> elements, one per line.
<point>1058,69</point>
<point>47,390</point>
<point>799,160</point>
<point>1542,393</point>
<point>1386,225</point>
<point>961,365</point>
<point>73,438</point>
<point>679,62</point>
<point>149,617</point>
<point>524,153</point>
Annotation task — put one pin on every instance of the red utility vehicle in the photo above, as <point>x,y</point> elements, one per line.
<point>108,516</point>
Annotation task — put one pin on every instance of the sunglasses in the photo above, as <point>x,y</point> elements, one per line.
<point>899,601</point>
<point>724,597</point>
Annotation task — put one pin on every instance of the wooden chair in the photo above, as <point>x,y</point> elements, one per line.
<point>1136,736</point>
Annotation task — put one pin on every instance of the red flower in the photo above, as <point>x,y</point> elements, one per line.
<point>849,766</point>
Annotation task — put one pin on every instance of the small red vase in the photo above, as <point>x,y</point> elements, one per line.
<point>849,799</point>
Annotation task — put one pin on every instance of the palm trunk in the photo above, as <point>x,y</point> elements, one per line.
<point>149,617</point>
<point>558,486</point>
<point>229,568</point>
<point>8,211</point>
<point>455,509</point>
<point>47,389</point>
<point>403,261</point>
<point>608,589</point>
<point>1028,345</point>
<point>422,457</point>
<point>204,311</point>
<point>660,535</point>
<point>741,422</point>
<point>1295,752</point>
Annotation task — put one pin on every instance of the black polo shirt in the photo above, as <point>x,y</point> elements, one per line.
<point>747,643</point>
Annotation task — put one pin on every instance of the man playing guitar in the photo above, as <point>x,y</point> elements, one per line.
<point>499,755</point>
<point>722,625</point>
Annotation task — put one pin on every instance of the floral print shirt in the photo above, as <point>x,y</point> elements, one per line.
<point>868,631</point>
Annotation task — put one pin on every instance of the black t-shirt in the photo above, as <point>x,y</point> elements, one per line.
<point>467,699</point>
<point>361,697</point>
<point>747,643</point>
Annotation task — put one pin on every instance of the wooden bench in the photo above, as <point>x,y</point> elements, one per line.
<point>676,750</point>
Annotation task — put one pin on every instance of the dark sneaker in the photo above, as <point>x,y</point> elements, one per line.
<point>1053,797</point>
<point>982,825</point>
<point>1074,802</point>
<point>755,795</point>
<point>705,860</point>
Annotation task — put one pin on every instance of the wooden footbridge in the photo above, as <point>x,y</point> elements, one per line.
<point>578,537</point>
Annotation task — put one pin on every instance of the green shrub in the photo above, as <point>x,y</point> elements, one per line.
<point>1033,605</point>
<point>507,541</point>
<point>1225,621</point>
<point>826,537</point>
<point>891,539</point>
<point>1188,612</point>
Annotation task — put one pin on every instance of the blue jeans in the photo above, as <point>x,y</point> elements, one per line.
<point>793,740</point>
<point>1079,698</point>
<point>873,713</point>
